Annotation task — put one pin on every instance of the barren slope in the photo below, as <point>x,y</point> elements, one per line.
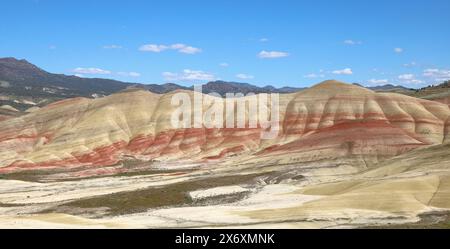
<point>403,187</point>
<point>330,119</point>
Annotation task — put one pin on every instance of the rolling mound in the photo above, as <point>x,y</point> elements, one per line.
<point>402,187</point>
<point>331,118</point>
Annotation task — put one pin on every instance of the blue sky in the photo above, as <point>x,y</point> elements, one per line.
<point>294,43</point>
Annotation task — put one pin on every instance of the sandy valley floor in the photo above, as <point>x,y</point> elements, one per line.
<point>245,196</point>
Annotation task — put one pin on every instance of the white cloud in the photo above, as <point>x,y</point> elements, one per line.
<point>437,74</point>
<point>346,71</point>
<point>264,40</point>
<point>180,47</point>
<point>52,47</point>
<point>313,75</point>
<point>134,74</point>
<point>244,76</point>
<point>153,48</point>
<point>189,50</point>
<point>129,74</point>
<point>398,50</point>
<point>224,64</point>
<point>177,46</point>
<point>188,75</point>
<point>378,81</point>
<point>406,76</point>
<point>170,76</point>
<point>415,81</point>
<point>412,64</point>
<point>409,79</point>
<point>352,42</point>
<point>91,70</point>
<point>272,54</point>
<point>112,47</point>
<point>81,72</point>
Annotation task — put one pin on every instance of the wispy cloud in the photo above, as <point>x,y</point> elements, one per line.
<point>112,47</point>
<point>153,48</point>
<point>189,75</point>
<point>406,76</point>
<point>346,71</point>
<point>398,50</point>
<point>180,47</point>
<point>129,74</point>
<point>313,76</point>
<point>243,76</point>
<point>272,54</point>
<point>352,42</point>
<point>264,40</point>
<point>224,64</point>
<point>91,70</point>
<point>378,81</point>
<point>412,64</point>
<point>81,72</point>
<point>437,74</point>
<point>409,79</point>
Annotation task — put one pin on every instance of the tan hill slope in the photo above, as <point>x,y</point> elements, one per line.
<point>331,118</point>
<point>7,112</point>
<point>417,182</point>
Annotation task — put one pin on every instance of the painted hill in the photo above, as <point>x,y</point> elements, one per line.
<point>329,120</point>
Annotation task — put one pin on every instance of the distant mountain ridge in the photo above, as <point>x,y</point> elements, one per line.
<point>29,83</point>
<point>386,88</point>
<point>24,85</point>
<point>223,87</point>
